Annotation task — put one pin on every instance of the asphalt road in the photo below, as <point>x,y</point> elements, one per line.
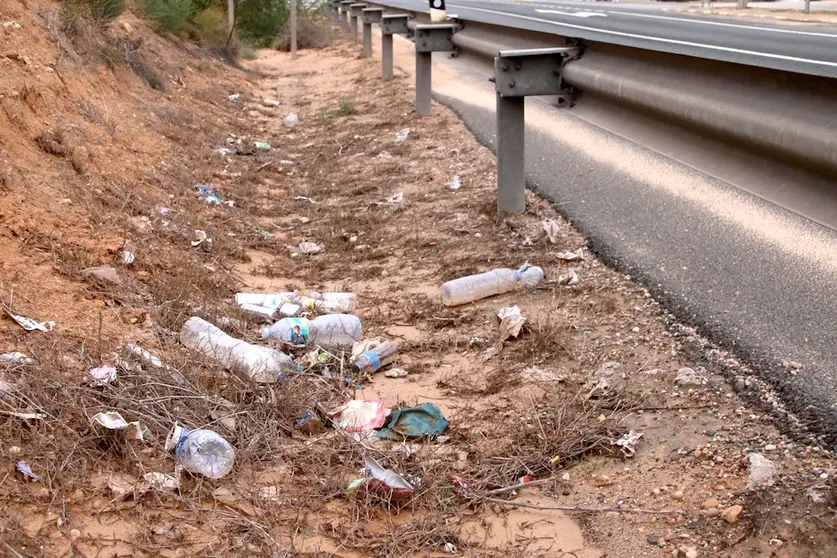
<point>714,270</point>
<point>803,49</point>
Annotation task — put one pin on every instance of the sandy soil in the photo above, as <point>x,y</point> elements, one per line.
<point>526,406</point>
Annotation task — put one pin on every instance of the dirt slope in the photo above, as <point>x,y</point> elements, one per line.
<point>94,162</point>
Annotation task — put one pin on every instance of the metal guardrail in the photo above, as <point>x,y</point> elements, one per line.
<point>773,112</point>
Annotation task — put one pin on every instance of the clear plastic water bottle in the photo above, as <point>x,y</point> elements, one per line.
<point>494,282</point>
<point>331,331</point>
<point>376,357</point>
<point>201,452</point>
<point>260,364</point>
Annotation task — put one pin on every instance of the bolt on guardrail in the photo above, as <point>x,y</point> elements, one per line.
<point>517,75</point>
<point>369,16</point>
<point>430,38</point>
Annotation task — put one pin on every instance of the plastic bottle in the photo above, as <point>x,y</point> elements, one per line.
<point>373,359</point>
<point>260,364</point>
<point>323,303</point>
<point>332,330</point>
<point>201,452</point>
<point>328,303</point>
<point>494,282</point>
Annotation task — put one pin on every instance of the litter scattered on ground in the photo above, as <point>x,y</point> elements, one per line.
<point>105,274</point>
<point>357,415</point>
<point>396,373</point>
<point>128,257</point>
<point>286,163</point>
<point>15,359</point>
<point>511,322</point>
<point>309,248</point>
<point>24,416</point>
<point>160,481</point>
<point>270,102</point>
<point>291,120</point>
<point>202,452</point>
<point>224,151</point>
<point>552,230</point>
<point>376,356</point>
<point>454,184</point>
<point>25,470</point>
<point>262,146</point>
<point>234,98</point>
<point>391,479</point>
<point>628,443</point>
<point>207,194</point>
<point>491,283</point>
<point>31,325</point>
<point>605,380</point>
<point>201,238</point>
<point>259,364</point>
<point>13,25</point>
<point>103,375</point>
<point>402,135</point>
<point>114,421</point>
<point>425,420</point>
<point>569,278</point>
<point>383,483</point>
<point>394,199</point>
<point>568,256</point>
<point>762,471</point>
<point>538,374</point>
<point>689,377</point>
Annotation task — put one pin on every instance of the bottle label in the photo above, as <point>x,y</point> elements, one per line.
<point>299,332</point>
<point>518,273</point>
<point>374,361</point>
<point>178,449</point>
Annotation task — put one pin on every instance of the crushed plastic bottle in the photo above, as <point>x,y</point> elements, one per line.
<point>375,358</point>
<point>494,282</point>
<point>201,452</point>
<point>260,364</point>
<point>329,302</point>
<point>288,302</point>
<point>331,331</point>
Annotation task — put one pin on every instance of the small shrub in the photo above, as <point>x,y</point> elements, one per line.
<point>311,33</point>
<point>97,10</point>
<point>168,15</point>
<point>210,27</point>
<point>261,21</point>
<point>106,10</point>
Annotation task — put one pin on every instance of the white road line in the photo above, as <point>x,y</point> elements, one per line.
<point>722,24</point>
<point>659,39</point>
<point>574,14</point>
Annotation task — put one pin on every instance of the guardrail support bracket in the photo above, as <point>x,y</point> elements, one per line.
<point>429,39</point>
<point>517,75</point>
<point>368,17</point>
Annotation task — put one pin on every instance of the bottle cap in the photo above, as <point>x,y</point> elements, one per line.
<point>177,433</point>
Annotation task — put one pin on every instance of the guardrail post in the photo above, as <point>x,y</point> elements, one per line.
<point>517,75</point>
<point>511,185</point>
<point>429,39</point>
<point>391,24</point>
<point>354,12</point>
<point>369,16</point>
<point>344,10</point>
